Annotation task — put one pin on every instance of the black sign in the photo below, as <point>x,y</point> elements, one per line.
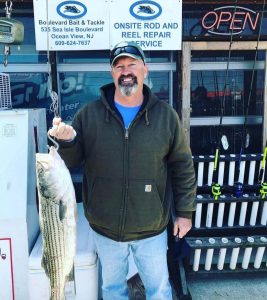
<point>224,22</point>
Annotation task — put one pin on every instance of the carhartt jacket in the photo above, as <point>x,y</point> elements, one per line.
<point>125,170</point>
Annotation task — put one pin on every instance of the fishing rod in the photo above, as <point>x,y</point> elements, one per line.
<point>245,138</point>
<point>221,139</point>
<point>262,175</point>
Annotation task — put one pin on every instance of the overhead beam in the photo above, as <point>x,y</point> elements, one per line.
<point>243,45</point>
<point>184,2</point>
<point>222,2</point>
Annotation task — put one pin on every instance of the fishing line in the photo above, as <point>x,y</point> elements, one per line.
<point>222,139</point>
<point>245,139</point>
<point>54,107</point>
<point>262,175</point>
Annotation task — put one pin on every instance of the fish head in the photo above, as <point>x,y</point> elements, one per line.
<point>52,174</point>
<point>43,172</point>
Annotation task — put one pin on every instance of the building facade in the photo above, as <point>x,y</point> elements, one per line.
<point>216,82</point>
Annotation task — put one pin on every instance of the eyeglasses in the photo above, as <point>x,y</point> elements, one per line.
<point>127,49</point>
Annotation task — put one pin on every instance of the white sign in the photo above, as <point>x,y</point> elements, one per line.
<point>6,272</point>
<point>100,24</point>
<point>154,25</point>
<point>71,25</point>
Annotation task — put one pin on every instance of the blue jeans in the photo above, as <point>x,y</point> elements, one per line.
<point>150,256</point>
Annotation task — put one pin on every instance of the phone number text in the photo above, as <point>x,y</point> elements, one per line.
<point>71,43</point>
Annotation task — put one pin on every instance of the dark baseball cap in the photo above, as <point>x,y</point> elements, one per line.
<point>130,49</point>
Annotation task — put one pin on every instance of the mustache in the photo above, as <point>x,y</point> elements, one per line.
<point>122,77</point>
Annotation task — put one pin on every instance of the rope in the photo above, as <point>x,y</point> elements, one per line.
<point>8,9</point>
<point>54,107</point>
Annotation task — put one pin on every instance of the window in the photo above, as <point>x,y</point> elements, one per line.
<point>214,93</point>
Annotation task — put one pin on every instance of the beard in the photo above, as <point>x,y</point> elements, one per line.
<point>128,88</point>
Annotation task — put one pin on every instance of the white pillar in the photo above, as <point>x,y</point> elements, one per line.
<point>252,166</point>
<point>254,212</point>
<point>209,214</point>
<point>198,213</point>
<point>222,254</point>
<point>209,255</point>
<point>235,253</point>
<point>220,212</point>
<point>264,214</point>
<point>247,254</point>
<point>200,172</point>
<point>197,256</point>
<point>242,170</point>
<point>243,212</point>
<point>259,254</point>
<point>231,216</point>
<point>210,171</point>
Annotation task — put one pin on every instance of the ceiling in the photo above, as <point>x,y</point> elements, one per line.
<point>184,1</point>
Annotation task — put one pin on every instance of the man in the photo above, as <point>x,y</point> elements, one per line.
<point>127,140</point>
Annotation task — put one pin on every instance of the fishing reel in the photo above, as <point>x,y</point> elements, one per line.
<point>238,189</point>
<point>263,190</point>
<point>216,190</point>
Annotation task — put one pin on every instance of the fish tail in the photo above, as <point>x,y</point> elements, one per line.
<point>57,293</point>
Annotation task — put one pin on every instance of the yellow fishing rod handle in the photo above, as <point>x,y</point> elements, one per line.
<point>216,190</point>
<point>264,158</point>
<point>263,190</point>
<point>216,159</point>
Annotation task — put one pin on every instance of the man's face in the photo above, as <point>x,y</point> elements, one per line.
<point>129,74</point>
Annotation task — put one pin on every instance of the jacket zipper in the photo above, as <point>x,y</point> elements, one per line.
<point>126,176</point>
<point>125,181</point>
<point>122,214</point>
<point>126,133</point>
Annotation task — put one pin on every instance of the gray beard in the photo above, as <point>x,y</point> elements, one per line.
<point>128,90</point>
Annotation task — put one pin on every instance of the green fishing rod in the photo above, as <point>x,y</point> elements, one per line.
<point>215,188</point>
<point>262,175</point>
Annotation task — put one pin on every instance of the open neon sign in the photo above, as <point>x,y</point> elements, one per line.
<point>229,20</point>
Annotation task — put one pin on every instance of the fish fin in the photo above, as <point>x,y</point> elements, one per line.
<point>44,265</point>
<point>71,275</point>
<point>70,285</point>
<point>62,210</point>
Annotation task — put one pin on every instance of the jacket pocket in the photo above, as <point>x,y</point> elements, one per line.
<point>104,202</point>
<point>144,209</point>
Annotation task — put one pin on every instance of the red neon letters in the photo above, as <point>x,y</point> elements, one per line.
<point>230,19</point>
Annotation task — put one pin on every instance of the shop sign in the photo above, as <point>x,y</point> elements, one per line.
<point>91,25</point>
<point>154,25</point>
<point>71,25</point>
<point>230,20</point>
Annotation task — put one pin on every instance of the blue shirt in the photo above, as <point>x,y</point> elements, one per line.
<point>127,113</point>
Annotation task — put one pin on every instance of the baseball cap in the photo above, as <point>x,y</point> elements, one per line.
<point>130,49</point>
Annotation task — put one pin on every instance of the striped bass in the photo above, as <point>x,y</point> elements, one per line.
<point>57,217</point>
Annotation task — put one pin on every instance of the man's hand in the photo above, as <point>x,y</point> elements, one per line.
<point>62,131</point>
<point>181,226</point>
